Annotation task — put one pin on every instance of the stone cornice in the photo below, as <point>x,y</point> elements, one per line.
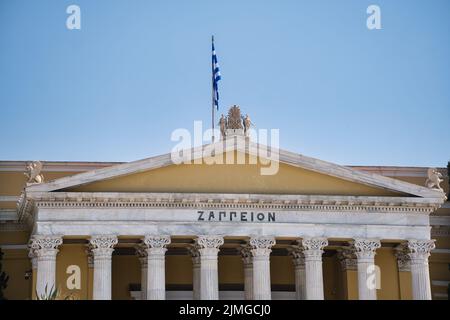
<point>82,166</point>
<point>231,201</point>
<point>440,231</point>
<point>56,166</point>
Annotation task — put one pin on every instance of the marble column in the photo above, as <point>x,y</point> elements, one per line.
<point>33,273</point>
<point>365,259</point>
<point>44,249</point>
<point>419,251</point>
<point>403,260</point>
<point>196,263</point>
<point>141,252</point>
<point>247,260</point>
<point>261,249</point>
<point>90,276</point>
<point>348,266</point>
<point>404,271</point>
<point>156,272</point>
<point>208,246</point>
<point>298,260</point>
<point>347,259</point>
<point>102,247</point>
<point>312,251</point>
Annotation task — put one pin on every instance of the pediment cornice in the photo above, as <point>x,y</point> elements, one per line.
<point>286,157</point>
<point>233,201</point>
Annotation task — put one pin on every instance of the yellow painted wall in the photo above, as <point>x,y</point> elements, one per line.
<point>331,278</point>
<point>390,289</point>
<point>350,280</point>
<point>179,269</point>
<point>72,254</point>
<point>14,237</point>
<point>231,270</point>
<point>231,179</point>
<point>12,182</point>
<point>439,271</point>
<point>16,264</point>
<point>405,283</point>
<point>125,271</point>
<point>281,270</point>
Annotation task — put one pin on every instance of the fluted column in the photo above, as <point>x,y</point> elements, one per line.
<point>208,246</point>
<point>419,251</point>
<point>298,260</point>
<point>33,259</point>
<point>312,251</point>
<point>196,263</point>
<point>403,261</point>
<point>365,259</point>
<point>141,252</point>
<point>156,273</point>
<point>404,271</point>
<point>247,260</point>
<point>348,266</point>
<point>261,249</point>
<point>44,249</point>
<point>102,247</point>
<point>90,275</point>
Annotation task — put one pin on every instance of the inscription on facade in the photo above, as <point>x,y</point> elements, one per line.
<point>241,216</point>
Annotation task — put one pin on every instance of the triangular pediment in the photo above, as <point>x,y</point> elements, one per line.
<point>296,174</point>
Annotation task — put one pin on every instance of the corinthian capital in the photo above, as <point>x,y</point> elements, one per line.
<point>314,243</point>
<point>246,254</point>
<point>195,254</point>
<point>298,258</point>
<point>403,260</point>
<point>313,247</point>
<point>420,249</point>
<point>208,245</point>
<point>209,242</point>
<point>156,244</point>
<point>141,253</point>
<point>347,259</point>
<point>365,248</point>
<point>44,245</point>
<point>103,245</point>
<point>262,245</point>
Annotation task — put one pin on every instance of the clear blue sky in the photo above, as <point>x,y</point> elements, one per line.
<point>137,70</point>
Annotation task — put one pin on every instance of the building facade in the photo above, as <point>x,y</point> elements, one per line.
<point>152,229</point>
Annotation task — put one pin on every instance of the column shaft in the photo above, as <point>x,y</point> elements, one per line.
<point>300,282</point>
<point>44,248</point>
<point>142,255</point>
<point>419,253</point>
<point>246,254</point>
<point>261,267</point>
<point>312,251</point>
<point>248,281</point>
<point>156,269</point>
<point>102,275</point>
<point>196,272</point>
<point>298,260</point>
<point>102,249</point>
<point>365,260</point>
<point>208,247</point>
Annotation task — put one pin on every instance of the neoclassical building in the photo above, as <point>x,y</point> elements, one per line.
<point>152,229</point>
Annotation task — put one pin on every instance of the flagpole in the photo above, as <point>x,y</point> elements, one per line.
<point>212,92</point>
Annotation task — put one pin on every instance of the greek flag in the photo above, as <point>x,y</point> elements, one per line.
<point>215,76</point>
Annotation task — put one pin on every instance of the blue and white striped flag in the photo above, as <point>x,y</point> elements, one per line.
<point>216,76</point>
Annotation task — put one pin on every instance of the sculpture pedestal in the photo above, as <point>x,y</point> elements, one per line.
<point>235,132</point>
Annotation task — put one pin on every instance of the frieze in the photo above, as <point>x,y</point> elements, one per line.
<point>241,216</point>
